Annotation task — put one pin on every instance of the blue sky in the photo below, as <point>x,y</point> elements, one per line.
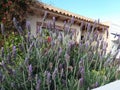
<point>105,10</point>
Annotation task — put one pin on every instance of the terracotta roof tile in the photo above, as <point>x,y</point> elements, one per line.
<point>67,13</point>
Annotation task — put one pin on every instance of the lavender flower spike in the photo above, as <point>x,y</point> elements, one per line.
<point>3,64</point>
<point>54,74</point>
<point>14,51</point>
<point>82,72</point>
<point>48,78</point>
<point>60,38</point>
<point>15,23</point>
<point>19,28</point>
<point>38,85</point>
<point>2,52</point>
<point>72,21</point>
<point>67,57</point>
<point>64,24</point>
<point>96,85</point>
<point>28,26</point>
<point>1,76</point>
<point>30,71</point>
<point>53,22</point>
<point>45,15</point>
<point>2,28</point>
<point>81,80</point>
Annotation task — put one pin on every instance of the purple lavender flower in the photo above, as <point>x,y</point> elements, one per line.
<point>3,64</point>
<point>28,26</point>
<point>54,21</point>
<point>45,73</point>
<point>65,31</point>
<point>94,26</point>
<point>96,85</point>
<point>2,52</point>
<point>40,31</point>
<point>49,26</point>
<point>54,73</point>
<point>37,29</point>
<point>71,43</point>
<point>64,24</point>
<point>107,33</point>
<point>12,84</point>
<point>13,72</point>
<point>95,36</point>
<point>60,38</point>
<point>64,82</point>
<point>48,78</point>
<point>19,28</point>
<point>81,62</point>
<point>82,72</point>
<point>31,46</point>
<point>15,23</point>
<point>104,45</point>
<point>62,72</point>
<point>81,26</point>
<point>80,45</point>
<point>14,52</point>
<point>26,61</point>
<point>59,51</point>
<point>60,66</point>
<point>38,85</point>
<point>28,37</point>
<point>67,57</point>
<point>88,27</point>
<point>71,35</point>
<point>30,71</point>
<point>68,29</point>
<point>101,44</point>
<point>9,58</point>
<point>100,37</point>
<point>1,76</point>
<point>87,45</point>
<point>2,28</point>
<point>52,43</point>
<point>45,15</point>
<point>81,82</point>
<point>72,21</point>
<point>97,44</point>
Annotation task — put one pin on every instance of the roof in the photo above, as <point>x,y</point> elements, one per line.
<point>66,13</point>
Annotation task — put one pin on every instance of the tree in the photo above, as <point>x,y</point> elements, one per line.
<point>14,8</point>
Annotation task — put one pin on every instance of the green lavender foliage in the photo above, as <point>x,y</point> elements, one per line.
<point>54,61</point>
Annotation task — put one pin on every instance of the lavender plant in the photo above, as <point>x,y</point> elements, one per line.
<point>56,61</point>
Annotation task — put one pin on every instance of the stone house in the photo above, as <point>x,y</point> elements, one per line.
<point>61,16</point>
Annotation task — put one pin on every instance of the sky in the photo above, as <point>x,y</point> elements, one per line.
<point>105,10</point>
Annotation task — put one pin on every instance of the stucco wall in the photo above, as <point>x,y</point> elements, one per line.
<point>35,19</point>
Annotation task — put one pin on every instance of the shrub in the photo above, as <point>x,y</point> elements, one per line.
<point>54,61</point>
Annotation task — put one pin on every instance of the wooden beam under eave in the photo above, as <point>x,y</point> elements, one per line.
<point>75,22</point>
<point>57,18</point>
